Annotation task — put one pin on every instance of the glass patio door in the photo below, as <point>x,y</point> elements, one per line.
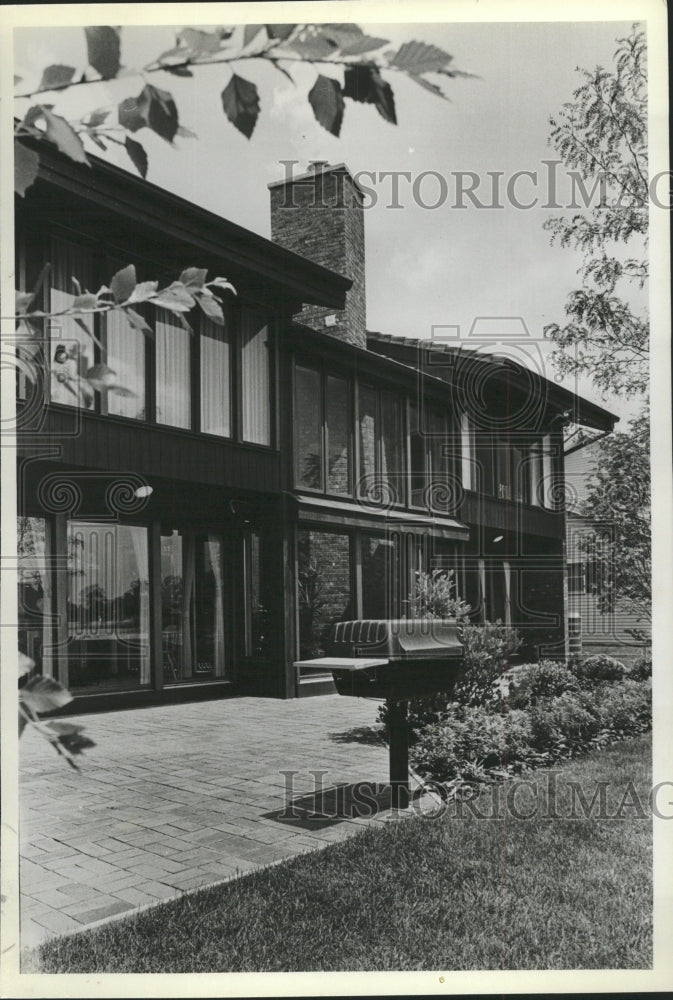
<point>193,639</point>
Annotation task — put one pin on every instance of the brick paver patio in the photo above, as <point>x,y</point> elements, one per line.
<point>177,797</point>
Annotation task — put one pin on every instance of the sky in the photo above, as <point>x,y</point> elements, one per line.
<point>426,268</point>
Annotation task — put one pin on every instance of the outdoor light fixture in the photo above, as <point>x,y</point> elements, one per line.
<point>143,491</point>
<point>498,538</point>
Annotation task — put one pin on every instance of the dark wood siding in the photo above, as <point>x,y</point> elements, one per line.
<point>96,442</point>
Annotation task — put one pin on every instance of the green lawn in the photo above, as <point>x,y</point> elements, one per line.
<point>453,893</point>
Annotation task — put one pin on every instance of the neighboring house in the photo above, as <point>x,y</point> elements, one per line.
<point>196,537</point>
<point>601,630</point>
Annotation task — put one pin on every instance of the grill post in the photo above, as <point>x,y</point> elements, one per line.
<point>398,750</point>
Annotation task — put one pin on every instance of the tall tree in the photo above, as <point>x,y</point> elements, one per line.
<point>618,503</point>
<point>601,137</point>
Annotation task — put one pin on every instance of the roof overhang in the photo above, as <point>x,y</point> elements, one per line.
<point>107,187</point>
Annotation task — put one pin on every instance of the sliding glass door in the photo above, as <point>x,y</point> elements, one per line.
<point>193,617</point>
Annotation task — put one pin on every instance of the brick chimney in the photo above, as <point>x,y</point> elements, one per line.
<point>319,215</point>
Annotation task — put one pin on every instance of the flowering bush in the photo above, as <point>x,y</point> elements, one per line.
<point>434,596</point>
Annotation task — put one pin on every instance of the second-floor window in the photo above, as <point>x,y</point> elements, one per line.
<point>322,432</point>
<point>381,473</point>
<point>217,380</point>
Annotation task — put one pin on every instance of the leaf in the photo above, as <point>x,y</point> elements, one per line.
<point>186,133</point>
<point>44,694</point>
<point>279,31</point>
<point>154,108</point>
<point>177,70</point>
<point>96,118</point>
<point>103,50</point>
<point>123,283</point>
<point>419,57</point>
<point>222,283</point>
<point>25,664</point>
<point>175,298</point>
<point>101,377</point>
<point>70,736</point>
<point>162,115</point>
<point>84,302</point>
<point>240,101</point>
<point>97,139</point>
<point>200,43</point>
<point>143,292</point>
<point>130,115</point>
<point>250,32</point>
<point>194,277</point>
<point>26,167</point>
<point>427,85</point>
<point>212,308</point>
<point>364,83</point>
<point>138,322</point>
<point>327,101</point>
<point>56,76</point>
<point>21,301</point>
<point>61,132</point>
<point>351,39</point>
<point>313,46</point>
<point>137,154</point>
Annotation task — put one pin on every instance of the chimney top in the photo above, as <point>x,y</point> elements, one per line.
<point>315,168</point>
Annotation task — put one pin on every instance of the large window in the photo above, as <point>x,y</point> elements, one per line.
<point>217,380</point>
<point>382,473</point>
<point>125,355</point>
<point>71,349</point>
<point>323,588</point>
<point>255,378</point>
<point>215,364</point>
<point>192,607</point>
<point>173,371</point>
<point>107,606</point>
<point>308,452</point>
<point>381,577</point>
<point>35,591</point>
<point>322,432</point>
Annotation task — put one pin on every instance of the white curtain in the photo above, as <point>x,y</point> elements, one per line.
<point>482,589</point>
<point>173,372</point>
<point>71,349</point>
<point>35,590</point>
<point>215,379</point>
<point>126,356</point>
<point>215,558</point>
<point>187,594</point>
<point>255,378</point>
<point>139,541</point>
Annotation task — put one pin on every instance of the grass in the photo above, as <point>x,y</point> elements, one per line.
<point>455,893</point>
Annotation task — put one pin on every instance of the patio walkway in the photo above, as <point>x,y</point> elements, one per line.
<point>177,797</point>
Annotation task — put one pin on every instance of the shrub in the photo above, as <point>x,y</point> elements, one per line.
<point>625,709</point>
<point>486,649</point>
<point>595,669</point>
<point>562,726</point>
<point>641,668</point>
<point>471,741</point>
<point>434,596</point>
<point>545,679</point>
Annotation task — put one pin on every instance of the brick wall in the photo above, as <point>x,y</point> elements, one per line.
<point>321,217</point>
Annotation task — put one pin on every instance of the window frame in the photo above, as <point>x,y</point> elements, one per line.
<point>301,361</point>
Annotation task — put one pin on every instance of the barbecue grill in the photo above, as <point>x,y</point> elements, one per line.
<point>396,659</point>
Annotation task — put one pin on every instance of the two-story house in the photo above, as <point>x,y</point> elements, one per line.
<point>197,534</point>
